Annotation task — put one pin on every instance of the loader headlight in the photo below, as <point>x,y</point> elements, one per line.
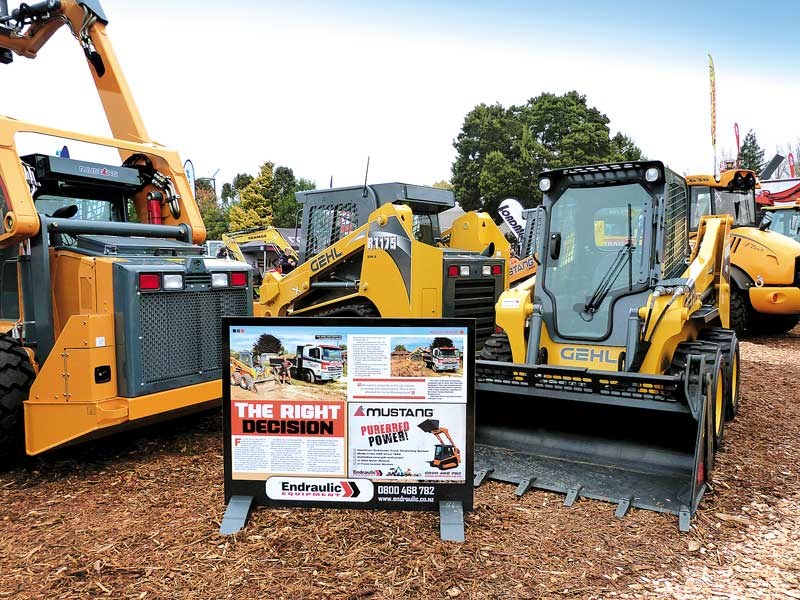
<point>465,270</point>
<point>219,280</point>
<point>652,174</point>
<point>486,270</point>
<point>544,184</point>
<point>173,281</point>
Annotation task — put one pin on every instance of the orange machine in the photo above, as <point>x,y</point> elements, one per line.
<point>445,456</point>
<point>109,312</point>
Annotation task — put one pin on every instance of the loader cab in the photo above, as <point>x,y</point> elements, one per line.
<point>732,193</point>
<point>80,190</point>
<point>608,232</point>
<point>785,219</point>
<point>329,215</point>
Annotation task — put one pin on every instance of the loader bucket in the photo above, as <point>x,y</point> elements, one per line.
<point>627,438</point>
<point>429,425</point>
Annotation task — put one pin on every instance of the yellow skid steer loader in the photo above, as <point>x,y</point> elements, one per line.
<point>615,369</point>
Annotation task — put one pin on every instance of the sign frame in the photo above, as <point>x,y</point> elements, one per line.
<point>450,498</point>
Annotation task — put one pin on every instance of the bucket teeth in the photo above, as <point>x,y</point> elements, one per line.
<point>623,507</point>
<point>481,476</point>
<point>524,486</point>
<point>572,496</point>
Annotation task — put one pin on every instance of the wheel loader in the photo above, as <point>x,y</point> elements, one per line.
<point>247,371</point>
<point>612,373</point>
<point>765,265</point>
<point>372,251</point>
<point>110,315</point>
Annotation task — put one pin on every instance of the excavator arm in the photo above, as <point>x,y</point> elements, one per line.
<point>24,31</point>
<point>28,28</point>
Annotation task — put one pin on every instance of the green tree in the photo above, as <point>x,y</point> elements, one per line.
<point>623,148</point>
<point>501,151</point>
<point>215,217</point>
<point>267,343</point>
<point>285,205</point>
<point>443,185</point>
<point>254,208</point>
<point>230,191</point>
<point>751,155</point>
<point>400,348</point>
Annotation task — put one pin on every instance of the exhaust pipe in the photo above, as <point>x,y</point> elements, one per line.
<point>3,8</point>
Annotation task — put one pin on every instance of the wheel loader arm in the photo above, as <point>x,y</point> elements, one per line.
<point>442,431</point>
<point>475,231</point>
<point>87,23</point>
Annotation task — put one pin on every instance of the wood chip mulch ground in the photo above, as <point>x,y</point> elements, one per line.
<point>136,516</point>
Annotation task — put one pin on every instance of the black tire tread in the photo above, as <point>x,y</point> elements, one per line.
<point>16,377</point>
<point>497,348</point>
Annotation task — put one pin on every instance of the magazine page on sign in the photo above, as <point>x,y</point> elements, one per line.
<point>420,364</point>
<point>407,395</point>
<point>288,402</point>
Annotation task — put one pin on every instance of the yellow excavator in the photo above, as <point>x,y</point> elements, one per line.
<point>615,368</point>
<point>765,265</point>
<point>376,250</point>
<point>110,315</point>
<point>263,248</point>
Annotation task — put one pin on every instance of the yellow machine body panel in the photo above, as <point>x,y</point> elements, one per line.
<point>416,288</point>
<point>80,316</point>
<point>765,265</point>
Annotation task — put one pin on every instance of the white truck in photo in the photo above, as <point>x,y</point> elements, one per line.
<point>315,363</point>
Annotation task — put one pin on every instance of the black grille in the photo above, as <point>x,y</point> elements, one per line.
<point>181,333</point>
<point>665,392</point>
<point>198,279</point>
<point>476,299</point>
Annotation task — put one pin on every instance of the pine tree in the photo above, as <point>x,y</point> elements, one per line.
<point>254,208</point>
<point>751,155</point>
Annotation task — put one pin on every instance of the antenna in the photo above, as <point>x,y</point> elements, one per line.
<point>364,193</point>
<point>331,185</point>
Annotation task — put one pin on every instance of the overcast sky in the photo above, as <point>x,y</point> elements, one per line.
<point>320,86</point>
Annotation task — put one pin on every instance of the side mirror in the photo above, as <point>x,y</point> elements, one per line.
<point>766,221</point>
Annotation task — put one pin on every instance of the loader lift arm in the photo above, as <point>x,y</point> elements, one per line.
<point>36,23</point>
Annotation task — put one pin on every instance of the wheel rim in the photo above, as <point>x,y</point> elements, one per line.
<point>719,403</point>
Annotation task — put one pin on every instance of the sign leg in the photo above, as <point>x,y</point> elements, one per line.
<point>451,521</point>
<point>236,514</point>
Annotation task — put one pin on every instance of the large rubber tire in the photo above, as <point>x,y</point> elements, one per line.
<point>741,312</point>
<point>729,344</point>
<point>716,386</point>
<point>309,376</point>
<point>774,324</point>
<point>497,348</point>
<point>236,379</point>
<point>248,383</point>
<point>16,377</point>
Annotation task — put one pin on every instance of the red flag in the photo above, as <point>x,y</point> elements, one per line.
<point>791,164</point>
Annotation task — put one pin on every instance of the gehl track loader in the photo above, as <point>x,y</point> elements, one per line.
<point>373,251</point>
<point>105,321</point>
<point>615,371</point>
<point>765,265</point>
